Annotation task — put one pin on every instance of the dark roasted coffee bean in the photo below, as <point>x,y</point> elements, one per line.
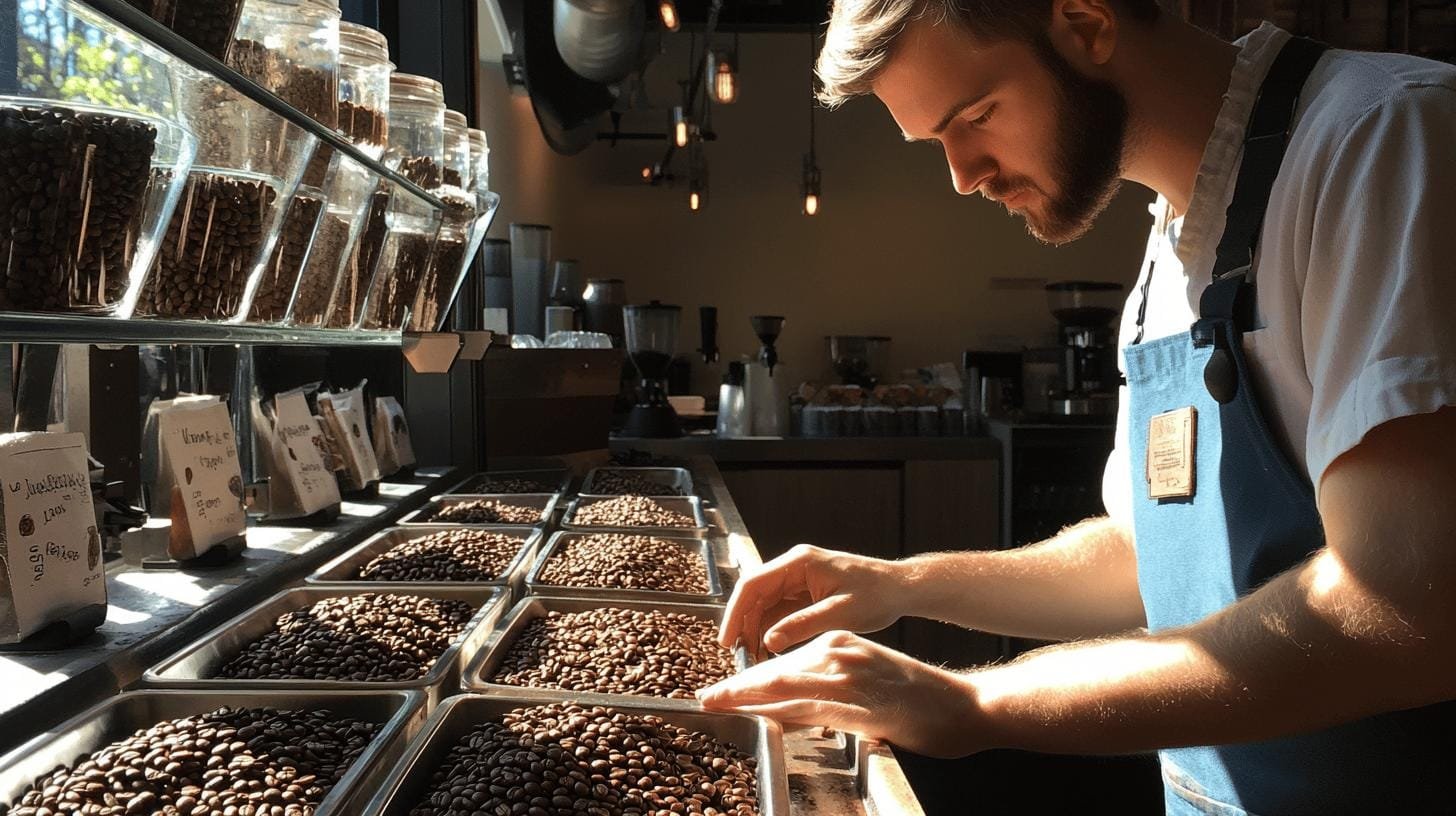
<point>280,275</point>
<point>507,484</point>
<point>449,555</point>
<point>363,637</point>
<point>321,271</point>
<point>616,561</point>
<point>313,748</point>
<point>310,89</point>
<point>396,290</point>
<point>208,24</point>
<point>484,511</point>
<point>358,273</point>
<point>363,126</point>
<point>629,511</point>
<point>617,651</point>
<point>587,753</point>
<point>625,482</point>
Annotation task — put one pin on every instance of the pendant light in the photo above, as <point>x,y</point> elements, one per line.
<point>810,187</point>
<point>723,73</point>
<point>682,126</point>
<point>697,178</point>
<point>667,10</point>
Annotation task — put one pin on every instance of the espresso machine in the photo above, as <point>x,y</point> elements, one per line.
<point>1087,364</point>
<point>650,332</point>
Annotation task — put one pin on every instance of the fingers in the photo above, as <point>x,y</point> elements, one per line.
<point>756,593</point>
<point>826,713</point>
<point>830,613</point>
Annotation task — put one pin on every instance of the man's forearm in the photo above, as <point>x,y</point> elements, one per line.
<point>1081,583</point>
<point>1291,657</point>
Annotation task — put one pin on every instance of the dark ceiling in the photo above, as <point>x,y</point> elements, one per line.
<point>753,15</point>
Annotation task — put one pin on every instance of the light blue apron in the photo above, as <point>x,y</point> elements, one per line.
<point>1252,516</point>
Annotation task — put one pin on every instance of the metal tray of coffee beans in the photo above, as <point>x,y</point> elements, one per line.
<point>702,549</point>
<point>196,665</point>
<point>399,714</point>
<point>478,671</point>
<point>409,783</point>
<point>514,482</point>
<point>690,506</point>
<point>616,481</point>
<point>543,503</point>
<point>345,568</point>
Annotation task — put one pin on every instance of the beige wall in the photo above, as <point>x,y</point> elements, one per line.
<point>894,250</point>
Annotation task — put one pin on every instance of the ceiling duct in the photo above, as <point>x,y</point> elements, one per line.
<point>599,40</point>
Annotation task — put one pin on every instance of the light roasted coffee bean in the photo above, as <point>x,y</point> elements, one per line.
<point>616,561</point>
<point>232,761</point>
<point>564,759</point>
<point>363,637</point>
<point>617,651</point>
<point>449,555</point>
<point>629,511</point>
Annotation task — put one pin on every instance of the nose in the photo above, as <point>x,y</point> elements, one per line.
<point>968,170</point>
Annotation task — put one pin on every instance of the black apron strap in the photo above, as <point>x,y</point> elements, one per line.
<point>1264,144</point>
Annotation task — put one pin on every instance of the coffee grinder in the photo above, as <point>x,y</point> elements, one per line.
<point>650,332</point>
<point>1088,379</point>
<point>767,399</point>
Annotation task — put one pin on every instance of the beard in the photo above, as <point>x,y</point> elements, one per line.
<point>1091,137</point>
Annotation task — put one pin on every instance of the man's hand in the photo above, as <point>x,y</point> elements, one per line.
<point>845,682</point>
<point>807,591</point>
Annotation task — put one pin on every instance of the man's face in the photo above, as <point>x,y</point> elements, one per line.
<point>1017,122</point>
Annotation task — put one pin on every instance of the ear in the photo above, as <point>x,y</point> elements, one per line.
<point>1084,31</point>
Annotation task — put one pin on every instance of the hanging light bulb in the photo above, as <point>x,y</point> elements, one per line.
<point>667,10</point>
<point>646,173</point>
<point>681,126</point>
<point>697,178</point>
<point>811,187</point>
<point>695,200</point>
<point>723,76</point>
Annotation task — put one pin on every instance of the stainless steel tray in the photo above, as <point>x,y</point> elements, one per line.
<point>471,484</point>
<point>401,713</point>
<point>193,666</point>
<point>345,568</point>
<point>673,476</point>
<point>545,502</point>
<point>702,547</point>
<point>489,658</point>
<point>407,784</point>
<point>688,505</point>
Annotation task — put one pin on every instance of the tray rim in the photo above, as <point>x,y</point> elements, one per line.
<point>411,518</point>
<point>695,503</point>
<point>683,479</point>
<point>512,577</point>
<point>355,789</point>
<point>563,488</point>
<point>504,634</point>
<point>702,546</point>
<point>769,749</point>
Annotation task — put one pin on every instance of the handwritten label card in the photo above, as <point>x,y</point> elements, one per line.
<point>392,446</point>
<point>51,551</point>
<point>200,456</point>
<point>301,483</point>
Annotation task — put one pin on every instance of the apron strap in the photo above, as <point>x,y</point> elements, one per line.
<point>1264,145</point>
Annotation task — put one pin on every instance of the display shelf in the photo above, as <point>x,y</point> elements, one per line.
<point>164,38</point>
<point>16,327</point>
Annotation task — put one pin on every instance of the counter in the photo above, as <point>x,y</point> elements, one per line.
<point>803,449</point>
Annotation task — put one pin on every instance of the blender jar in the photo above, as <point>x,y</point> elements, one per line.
<point>94,156</point>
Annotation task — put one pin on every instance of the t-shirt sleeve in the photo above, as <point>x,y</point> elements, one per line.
<point>1380,284</point>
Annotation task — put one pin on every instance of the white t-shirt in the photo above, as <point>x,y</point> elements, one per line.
<point>1356,269</point>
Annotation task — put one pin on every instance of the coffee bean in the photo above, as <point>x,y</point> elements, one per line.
<point>168,768</point>
<point>629,511</point>
<point>208,24</point>
<point>566,758</point>
<point>364,637</point>
<point>402,270</point>
<point>625,483</point>
<point>321,272</point>
<point>358,273</point>
<point>209,248</point>
<point>617,651</point>
<point>615,561</point>
<point>275,287</point>
<point>422,170</point>
<point>484,511</point>
<point>363,125</point>
<point>312,90</point>
<point>73,190</point>
<point>449,555</point>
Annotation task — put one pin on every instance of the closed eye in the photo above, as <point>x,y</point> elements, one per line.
<point>984,117</point>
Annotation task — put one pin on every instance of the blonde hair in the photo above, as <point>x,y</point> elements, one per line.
<point>862,33</point>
